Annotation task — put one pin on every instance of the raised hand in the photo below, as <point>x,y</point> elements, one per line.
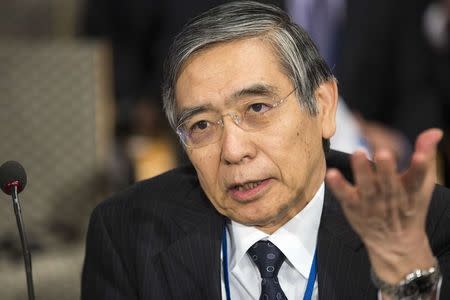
<point>388,209</point>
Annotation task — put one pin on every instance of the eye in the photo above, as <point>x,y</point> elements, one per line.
<point>259,107</point>
<point>199,126</point>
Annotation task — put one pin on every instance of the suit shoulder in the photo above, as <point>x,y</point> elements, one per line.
<point>168,187</point>
<point>340,161</point>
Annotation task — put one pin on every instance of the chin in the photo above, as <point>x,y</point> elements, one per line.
<point>256,220</point>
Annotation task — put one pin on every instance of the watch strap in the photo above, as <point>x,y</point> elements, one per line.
<point>416,285</point>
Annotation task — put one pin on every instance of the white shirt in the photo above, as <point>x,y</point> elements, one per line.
<point>297,240</point>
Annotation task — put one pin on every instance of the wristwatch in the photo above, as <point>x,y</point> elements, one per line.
<point>416,286</point>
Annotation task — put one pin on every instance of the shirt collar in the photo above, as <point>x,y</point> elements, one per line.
<point>296,239</point>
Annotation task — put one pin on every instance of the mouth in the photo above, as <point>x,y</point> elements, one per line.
<point>249,190</point>
<point>246,186</point>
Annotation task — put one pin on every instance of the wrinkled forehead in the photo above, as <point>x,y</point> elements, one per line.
<point>263,38</point>
<point>229,69</point>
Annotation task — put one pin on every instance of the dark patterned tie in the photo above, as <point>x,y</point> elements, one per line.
<point>268,258</point>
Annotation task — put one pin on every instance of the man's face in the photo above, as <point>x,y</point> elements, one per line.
<point>259,178</point>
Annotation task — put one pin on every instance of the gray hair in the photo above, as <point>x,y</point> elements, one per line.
<point>232,21</point>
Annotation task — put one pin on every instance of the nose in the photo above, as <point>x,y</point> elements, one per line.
<point>237,144</point>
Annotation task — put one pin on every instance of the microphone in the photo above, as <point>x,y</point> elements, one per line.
<point>13,180</point>
<point>12,174</point>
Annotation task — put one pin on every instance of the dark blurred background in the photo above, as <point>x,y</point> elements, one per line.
<point>81,106</point>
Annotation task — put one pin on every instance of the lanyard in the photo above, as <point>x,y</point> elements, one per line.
<point>309,285</point>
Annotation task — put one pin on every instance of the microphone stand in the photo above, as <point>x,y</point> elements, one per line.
<point>23,240</point>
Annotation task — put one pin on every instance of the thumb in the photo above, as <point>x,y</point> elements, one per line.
<point>423,161</point>
<point>426,142</point>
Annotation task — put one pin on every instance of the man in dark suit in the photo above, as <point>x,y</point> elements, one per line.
<point>254,106</point>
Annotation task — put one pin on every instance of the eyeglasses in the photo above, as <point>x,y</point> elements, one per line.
<point>252,114</point>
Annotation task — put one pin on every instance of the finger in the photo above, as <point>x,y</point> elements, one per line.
<point>391,190</point>
<point>427,141</point>
<point>364,176</point>
<point>415,175</point>
<point>423,161</point>
<point>424,156</point>
<point>341,188</point>
<point>419,181</point>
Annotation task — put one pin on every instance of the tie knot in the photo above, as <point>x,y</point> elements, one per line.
<point>267,257</point>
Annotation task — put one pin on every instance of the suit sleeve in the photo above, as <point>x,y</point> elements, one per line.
<point>440,240</point>
<point>104,272</point>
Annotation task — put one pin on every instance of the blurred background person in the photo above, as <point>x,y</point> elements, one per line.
<point>385,72</point>
<point>384,67</point>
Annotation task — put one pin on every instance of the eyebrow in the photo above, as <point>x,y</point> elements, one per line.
<point>192,111</point>
<point>258,89</point>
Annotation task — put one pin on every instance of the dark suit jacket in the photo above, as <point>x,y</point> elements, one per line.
<point>161,240</point>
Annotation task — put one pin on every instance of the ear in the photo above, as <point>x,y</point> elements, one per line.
<point>327,96</point>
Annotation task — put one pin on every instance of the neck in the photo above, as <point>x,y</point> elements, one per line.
<point>271,227</point>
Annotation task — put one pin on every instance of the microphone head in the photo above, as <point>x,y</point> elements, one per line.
<point>12,174</point>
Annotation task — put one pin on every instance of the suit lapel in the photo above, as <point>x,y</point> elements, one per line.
<point>343,265</point>
<point>192,262</point>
